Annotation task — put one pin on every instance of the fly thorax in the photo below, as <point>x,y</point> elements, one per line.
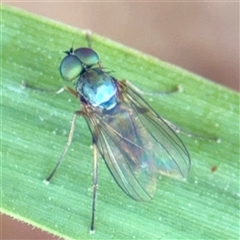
<point>97,88</point>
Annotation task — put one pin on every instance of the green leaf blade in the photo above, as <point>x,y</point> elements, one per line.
<point>35,127</point>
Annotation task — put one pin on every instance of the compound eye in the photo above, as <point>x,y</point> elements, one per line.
<point>70,67</point>
<point>87,56</point>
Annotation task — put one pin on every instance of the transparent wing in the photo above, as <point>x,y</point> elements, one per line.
<point>171,155</point>
<point>137,145</point>
<point>118,141</point>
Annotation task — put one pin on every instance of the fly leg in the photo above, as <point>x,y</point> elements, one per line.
<point>88,35</point>
<point>70,90</point>
<point>30,86</point>
<point>177,88</point>
<point>62,89</point>
<point>176,129</point>
<point>77,113</point>
<point>95,187</point>
<point>124,85</point>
